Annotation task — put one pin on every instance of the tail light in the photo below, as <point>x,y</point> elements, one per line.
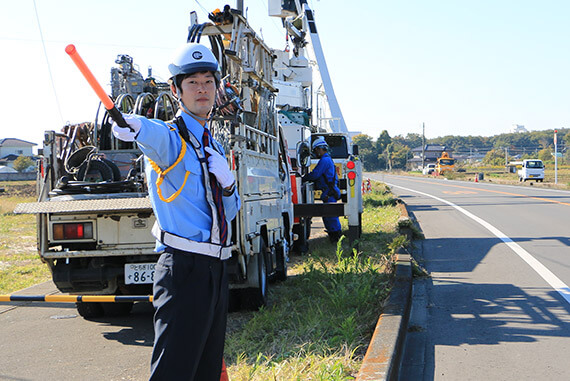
<point>81,230</point>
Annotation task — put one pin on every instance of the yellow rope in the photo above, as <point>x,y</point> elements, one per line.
<point>162,174</point>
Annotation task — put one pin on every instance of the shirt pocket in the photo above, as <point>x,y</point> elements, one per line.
<point>193,169</point>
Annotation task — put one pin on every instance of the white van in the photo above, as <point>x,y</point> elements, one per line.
<point>532,169</point>
<point>428,169</point>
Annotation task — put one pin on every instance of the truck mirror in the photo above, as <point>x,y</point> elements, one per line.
<point>355,149</point>
<point>303,154</point>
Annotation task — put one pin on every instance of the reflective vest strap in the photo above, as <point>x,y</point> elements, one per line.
<point>215,232</point>
<point>193,140</point>
<point>161,173</point>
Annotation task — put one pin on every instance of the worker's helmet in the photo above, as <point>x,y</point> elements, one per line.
<point>320,142</point>
<point>194,58</point>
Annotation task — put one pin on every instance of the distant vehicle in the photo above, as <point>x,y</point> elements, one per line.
<point>428,169</point>
<point>444,164</point>
<point>532,169</point>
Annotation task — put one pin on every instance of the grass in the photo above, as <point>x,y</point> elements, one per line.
<point>20,265</point>
<point>321,319</point>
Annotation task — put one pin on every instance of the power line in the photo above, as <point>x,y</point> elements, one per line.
<point>48,65</point>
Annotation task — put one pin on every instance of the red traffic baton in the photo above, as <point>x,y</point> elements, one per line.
<point>101,94</point>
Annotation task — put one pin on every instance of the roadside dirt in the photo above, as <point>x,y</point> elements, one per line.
<point>18,189</point>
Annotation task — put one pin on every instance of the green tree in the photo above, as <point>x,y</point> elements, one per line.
<point>383,142</point>
<point>545,155</point>
<point>494,157</point>
<point>397,155</point>
<point>22,162</point>
<point>366,151</point>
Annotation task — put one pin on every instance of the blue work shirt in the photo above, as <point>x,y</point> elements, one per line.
<point>323,175</point>
<point>189,215</point>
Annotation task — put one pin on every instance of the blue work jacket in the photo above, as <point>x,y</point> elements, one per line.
<point>189,214</point>
<point>324,177</point>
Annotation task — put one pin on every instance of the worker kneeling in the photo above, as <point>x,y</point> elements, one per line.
<point>325,179</point>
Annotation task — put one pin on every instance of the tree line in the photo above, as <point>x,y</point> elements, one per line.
<point>387,153</point>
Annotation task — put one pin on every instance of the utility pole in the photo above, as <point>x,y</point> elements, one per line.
<point>555,157</point>
<point>423,146</point>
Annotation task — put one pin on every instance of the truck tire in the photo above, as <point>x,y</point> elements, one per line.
<point>281,271</point>
<point>256,297</point>
<point>303,232</point>
<point>117,309</point>
<point>90,310</point>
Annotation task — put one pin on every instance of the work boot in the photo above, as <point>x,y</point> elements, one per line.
<point>334,236</point>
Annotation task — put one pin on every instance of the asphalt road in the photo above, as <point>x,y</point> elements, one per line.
<point>497,304</point>
<point>50,341</point>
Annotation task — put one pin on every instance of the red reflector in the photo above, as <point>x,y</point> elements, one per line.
<point>350,165</point>
<point>351,175</point>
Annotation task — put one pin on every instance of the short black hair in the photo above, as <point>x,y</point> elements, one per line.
<point>181,77</point>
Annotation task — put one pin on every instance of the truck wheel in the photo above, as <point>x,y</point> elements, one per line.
<point>300,246</point>
<point>89,310</point>
<point>256,297</point>
<point>281,271</point>
<point>117,309</point>
<point>307,227</point>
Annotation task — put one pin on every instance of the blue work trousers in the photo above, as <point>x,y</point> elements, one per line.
<point>332,224</point>
<point>191,302</point>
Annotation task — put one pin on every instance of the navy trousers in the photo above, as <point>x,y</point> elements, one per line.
<point>332,224</point>
<point>191,302</point>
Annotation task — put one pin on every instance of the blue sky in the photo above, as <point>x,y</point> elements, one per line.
<point>462,67</point>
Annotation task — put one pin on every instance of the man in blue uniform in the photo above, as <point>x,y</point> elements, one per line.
<point>325,179</point>
<point>193,195</point>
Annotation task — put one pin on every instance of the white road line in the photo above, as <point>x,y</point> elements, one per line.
<point>541,270</point>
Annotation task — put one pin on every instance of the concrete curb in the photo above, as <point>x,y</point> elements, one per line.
<point>383,357</point>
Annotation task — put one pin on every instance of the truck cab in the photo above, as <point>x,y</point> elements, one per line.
<point>532,169</point>
<point>444,164</point>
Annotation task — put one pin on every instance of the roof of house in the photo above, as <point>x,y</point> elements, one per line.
<point>10,157</point>
<point>5,169</point>
<point>433,147</point>
<point>15,142</point>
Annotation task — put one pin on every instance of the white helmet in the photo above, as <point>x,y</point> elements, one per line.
<point>320,142</point>
<point>194,58</point>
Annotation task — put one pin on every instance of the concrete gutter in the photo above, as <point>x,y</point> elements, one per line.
<point>383,357</point>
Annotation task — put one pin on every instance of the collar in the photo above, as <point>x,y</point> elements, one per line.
<point>194,127</point>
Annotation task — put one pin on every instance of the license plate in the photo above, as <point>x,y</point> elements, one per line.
<point>531,175</point>
<point>139,273</point>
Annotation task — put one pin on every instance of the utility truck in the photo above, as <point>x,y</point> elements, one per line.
<point>531,169</point>
<point>93,211</point>
<point>444,164</point>
<point>308,108</point>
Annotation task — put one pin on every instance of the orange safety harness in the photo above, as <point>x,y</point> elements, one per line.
<point>162,173</point>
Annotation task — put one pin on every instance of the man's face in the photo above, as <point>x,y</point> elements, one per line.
<point>198,93</point>
<point>319,152</point>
